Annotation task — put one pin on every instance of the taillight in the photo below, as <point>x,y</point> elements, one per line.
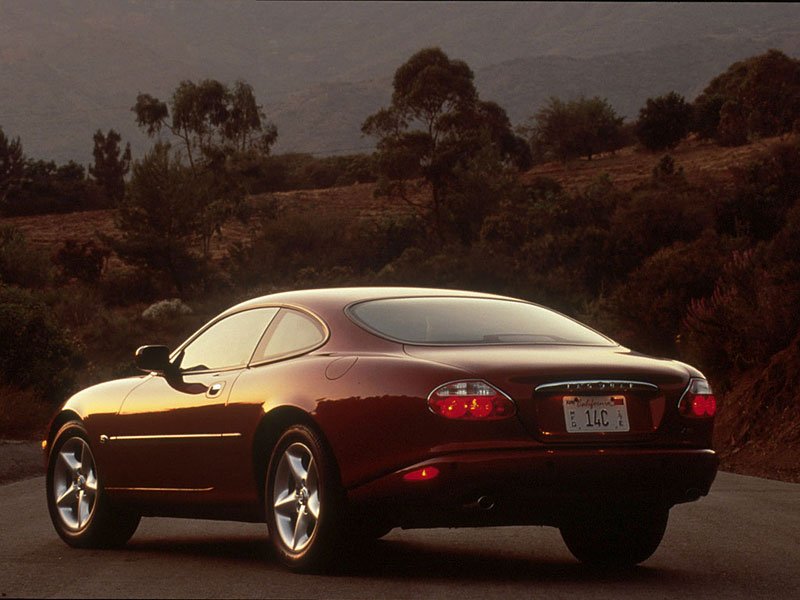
<point>698,401</point>
<point>470,400</point>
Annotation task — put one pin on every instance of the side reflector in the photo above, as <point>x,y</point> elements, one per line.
<point>421,474</point>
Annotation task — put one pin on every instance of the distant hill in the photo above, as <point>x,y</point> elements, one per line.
<point>68,68</point>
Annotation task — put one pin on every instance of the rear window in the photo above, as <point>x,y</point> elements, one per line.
<point>457,320</point>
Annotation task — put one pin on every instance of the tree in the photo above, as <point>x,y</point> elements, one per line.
<point>209,119</point>
<point>664,121</point>
<point>434,126</point>
<point>110,167</point>
<point>582,127</point>
<point>12,166</point>
<point>756,97</point>
<point>216,127</point>
<point>159,218</point>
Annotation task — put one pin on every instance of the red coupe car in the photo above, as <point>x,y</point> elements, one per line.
<point>338,414</point>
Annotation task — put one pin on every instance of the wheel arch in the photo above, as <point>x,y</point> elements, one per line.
<point>65,416</point>
<point>269,431</point>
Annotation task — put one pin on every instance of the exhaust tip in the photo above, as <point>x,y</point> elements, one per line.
<point>486,503</point>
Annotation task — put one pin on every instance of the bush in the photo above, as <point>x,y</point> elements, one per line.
<point>166,309</point>
<point>765,190</point>
<point>750,316</point>
<point>19,263</point>
<point>649,306</point>
<point>292,242</point>
<point>35,351</point>
<point>664,121</point>
<point>83,261</point>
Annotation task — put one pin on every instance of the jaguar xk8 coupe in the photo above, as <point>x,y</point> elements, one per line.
<point>335,415</point>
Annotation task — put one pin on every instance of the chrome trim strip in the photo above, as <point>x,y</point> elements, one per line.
<point>176,436</point>
<point>156,489</point>
<point>596,385</point>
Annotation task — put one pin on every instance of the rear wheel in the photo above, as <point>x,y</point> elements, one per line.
<point>616,539</point>
<point>304,501</point>
<point>79,508</point>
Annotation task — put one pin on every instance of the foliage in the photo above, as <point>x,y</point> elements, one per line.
<point>166,309</point>
<point>648,306</point>
<point>209,118</point>
<point>433,127</point>
<point>45,187</point>
<point>664,121</point>
<point>35,351</point>
<point>756,97</point>
<point>764,191</point>
<point>19,263</point>
<point>567,130</point>
<point>81,260</point>
<point>290,247</point>
<point>159,219</point>
<point>749,317</point>
<point>299,171</point>
<point>110,166</point>
<point>12,166</point>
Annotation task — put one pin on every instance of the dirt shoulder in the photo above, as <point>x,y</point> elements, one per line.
<point>20,460</point>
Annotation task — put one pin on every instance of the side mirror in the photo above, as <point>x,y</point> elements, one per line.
<point>153,358</point>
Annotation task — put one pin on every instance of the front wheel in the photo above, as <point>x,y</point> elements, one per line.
<point>81,513</point>
<point>304,501</point>
<point>618,539</point>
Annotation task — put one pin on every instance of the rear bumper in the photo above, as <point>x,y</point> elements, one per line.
<point>540,487</point>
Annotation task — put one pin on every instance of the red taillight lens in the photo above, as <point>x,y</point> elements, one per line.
<point>699,400</point>
<point>470,400</point>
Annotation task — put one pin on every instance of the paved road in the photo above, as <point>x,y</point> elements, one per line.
<point>743,541</point>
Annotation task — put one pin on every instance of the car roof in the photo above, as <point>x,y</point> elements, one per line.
<point>326,299</point>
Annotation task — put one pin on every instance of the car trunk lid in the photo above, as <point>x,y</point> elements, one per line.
<point>576,394</point>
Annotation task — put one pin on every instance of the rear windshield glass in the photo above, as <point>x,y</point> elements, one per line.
<point>471,321</point>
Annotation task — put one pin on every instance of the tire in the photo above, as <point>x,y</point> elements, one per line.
<point>304,502</point>
<point>79,508</point>
<point>616,539</point>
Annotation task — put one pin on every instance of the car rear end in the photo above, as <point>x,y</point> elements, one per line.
<point>536,432</point>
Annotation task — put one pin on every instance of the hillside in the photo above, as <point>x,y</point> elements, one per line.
<point>757,429</point>
<point>701,160</point>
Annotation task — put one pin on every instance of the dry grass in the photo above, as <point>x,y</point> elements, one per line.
<point>702,161</point>
<point>23,416</point>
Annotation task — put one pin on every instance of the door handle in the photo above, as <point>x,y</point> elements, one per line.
<point>215,389</point>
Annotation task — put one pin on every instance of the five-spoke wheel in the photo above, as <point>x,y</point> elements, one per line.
<point>303,500</point>
<point>74,487</point>
<point>79,508</point>
<point>295,496</point>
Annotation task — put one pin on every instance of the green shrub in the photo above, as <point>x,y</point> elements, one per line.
<point>35,350</point>
<point>20,264</point>
<point>649,305</point>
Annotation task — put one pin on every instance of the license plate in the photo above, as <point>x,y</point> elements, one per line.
<point>595,414</point>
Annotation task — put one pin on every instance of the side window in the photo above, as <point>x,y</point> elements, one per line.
<point>229,342</point>
<point>290,333</point>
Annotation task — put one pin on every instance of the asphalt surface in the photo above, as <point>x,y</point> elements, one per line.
<point>742,541</point>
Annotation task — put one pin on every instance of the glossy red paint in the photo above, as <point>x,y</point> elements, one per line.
<point>198,443</point>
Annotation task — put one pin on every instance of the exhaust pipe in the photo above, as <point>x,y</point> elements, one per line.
<point>484,503</point>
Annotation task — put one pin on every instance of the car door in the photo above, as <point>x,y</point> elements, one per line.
<point>174,432</point>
